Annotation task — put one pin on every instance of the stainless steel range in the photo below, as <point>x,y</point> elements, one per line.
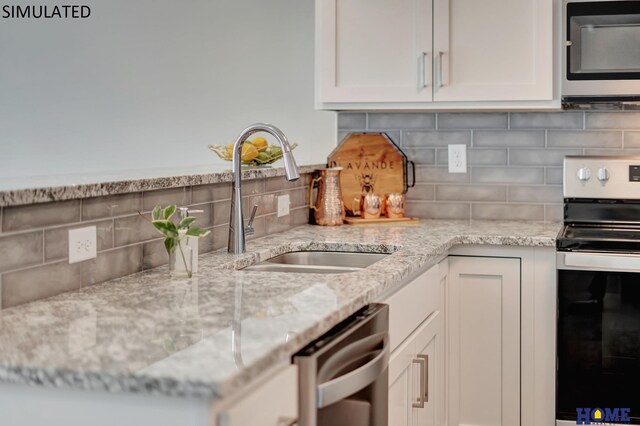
<point>598,260</point>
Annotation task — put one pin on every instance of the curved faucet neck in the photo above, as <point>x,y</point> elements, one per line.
<point>236,221</point>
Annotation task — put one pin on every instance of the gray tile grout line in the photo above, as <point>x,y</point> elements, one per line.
<point>113,232</point>
<point>63,225</point>
<point>44,247</point>
<point>141,268</point>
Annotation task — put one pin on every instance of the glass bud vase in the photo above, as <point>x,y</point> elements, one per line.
<point>181,259</point>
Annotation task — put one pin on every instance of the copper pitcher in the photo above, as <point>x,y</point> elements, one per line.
<point>329,208</point>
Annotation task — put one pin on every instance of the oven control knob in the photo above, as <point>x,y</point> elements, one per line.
<point>603,174</point>
<point>584,174</point>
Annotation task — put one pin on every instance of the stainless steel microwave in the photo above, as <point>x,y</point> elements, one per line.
<point>601,58</point>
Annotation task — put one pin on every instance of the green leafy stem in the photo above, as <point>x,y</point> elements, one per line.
<point>174,234</point>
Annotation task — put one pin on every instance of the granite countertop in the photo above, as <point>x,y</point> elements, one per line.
<point>42,189</point>
<point>208,336</point>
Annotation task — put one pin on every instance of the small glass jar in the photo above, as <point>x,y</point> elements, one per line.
<point>181,259</point>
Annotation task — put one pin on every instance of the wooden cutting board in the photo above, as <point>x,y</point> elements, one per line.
<point>371,162</point>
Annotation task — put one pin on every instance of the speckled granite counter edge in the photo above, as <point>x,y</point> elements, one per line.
<point>71,192</point>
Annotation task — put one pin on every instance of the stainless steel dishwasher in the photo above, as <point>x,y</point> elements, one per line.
<point>343,376</point>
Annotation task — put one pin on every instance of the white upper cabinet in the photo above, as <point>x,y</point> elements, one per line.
<point>385,54</point>
<point>493,50</point>
<point>374,50</point>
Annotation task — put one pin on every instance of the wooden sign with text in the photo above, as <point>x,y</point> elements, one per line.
<point>371,162</point>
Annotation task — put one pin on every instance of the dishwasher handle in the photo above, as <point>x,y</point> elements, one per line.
<point>345,385</point>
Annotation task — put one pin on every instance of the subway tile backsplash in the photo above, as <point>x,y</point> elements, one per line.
<point>34,238</point>
<point>514,158</point>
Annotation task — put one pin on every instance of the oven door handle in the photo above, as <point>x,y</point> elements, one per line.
<point>599,262</point>
<point>341,387</point>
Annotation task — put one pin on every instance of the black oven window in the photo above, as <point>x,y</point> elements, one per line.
<point>598,342</point>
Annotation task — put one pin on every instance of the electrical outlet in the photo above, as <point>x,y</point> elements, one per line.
<point>283,205</point>
<point>82,244</point>
<point>457,158</point>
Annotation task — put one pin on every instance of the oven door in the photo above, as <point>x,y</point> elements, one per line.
<point>598,360</point>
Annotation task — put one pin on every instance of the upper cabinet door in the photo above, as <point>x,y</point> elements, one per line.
<point>374,50</point>
<point>493,50</point>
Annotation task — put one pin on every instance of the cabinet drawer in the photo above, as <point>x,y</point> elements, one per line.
<point>271,404</point>
<point>412,304</point>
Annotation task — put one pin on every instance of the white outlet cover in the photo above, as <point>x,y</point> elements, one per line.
<point>82,244</point>
<point>457,158</point>
<point>283,205</point>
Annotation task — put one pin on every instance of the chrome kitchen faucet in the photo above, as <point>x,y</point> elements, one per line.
<point>237,229</point>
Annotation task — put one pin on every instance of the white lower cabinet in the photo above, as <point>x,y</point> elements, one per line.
<point>483,331</point>
<point>416,377</point>
<point>417,363</point>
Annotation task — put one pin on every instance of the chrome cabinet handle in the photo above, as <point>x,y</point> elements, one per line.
<point>423,81</point>
<point>425,376</point>
<point>420,399</point>
<point>438,58</point>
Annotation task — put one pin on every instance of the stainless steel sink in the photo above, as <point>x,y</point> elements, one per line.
<point>318,262</point>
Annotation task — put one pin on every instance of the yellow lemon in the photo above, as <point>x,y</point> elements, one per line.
<point>260,143</point>
<point>230,150</point>
<point>249,152</point>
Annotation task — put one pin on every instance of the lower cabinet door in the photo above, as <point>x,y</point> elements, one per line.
<point>401,380</point>
<point>483,330</point>
<point>416,376</point>
<point>430,351</point>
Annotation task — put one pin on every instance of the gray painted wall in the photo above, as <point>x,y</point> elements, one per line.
<point>514,158</point>
<point>149,83</point>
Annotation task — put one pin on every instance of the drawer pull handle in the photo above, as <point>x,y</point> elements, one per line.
<point>425,376</point>
<point>420,400</point>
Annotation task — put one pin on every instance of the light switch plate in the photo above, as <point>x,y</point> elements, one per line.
<point>283,205</point>
<point>457,158</point>
<point>82,244</point>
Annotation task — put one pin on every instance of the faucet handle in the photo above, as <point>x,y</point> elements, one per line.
<point>248,230</point>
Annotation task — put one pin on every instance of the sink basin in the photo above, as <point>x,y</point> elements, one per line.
<point>318,262</point>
